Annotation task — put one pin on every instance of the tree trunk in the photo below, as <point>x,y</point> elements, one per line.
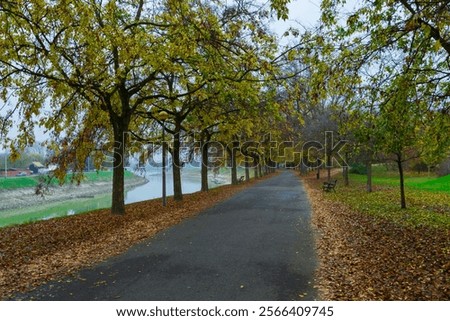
<point>369,176</point>
<point>345,170</point>
<point>303,166</point>
<point>247,169</point>
<point>328,163</point>
<point>118,198</point>
<point>176,168</point>
<point>318,169</point>
<point>266,167</point>
<point>234,179</point>
<point>255,167</point>
<point>402,181</point>
<point>204,164</point>
<point>345,175</point>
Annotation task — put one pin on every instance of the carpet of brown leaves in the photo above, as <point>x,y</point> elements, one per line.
<point>366,258</point>
<point>32,254</point>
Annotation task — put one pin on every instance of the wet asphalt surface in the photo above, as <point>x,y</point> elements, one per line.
<point>258,245</point>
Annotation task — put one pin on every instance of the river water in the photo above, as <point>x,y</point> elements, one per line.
<point>191,183</point>
<point>190,180</point>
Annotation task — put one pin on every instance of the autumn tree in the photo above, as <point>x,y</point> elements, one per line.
<point>85,69</point>
<point>95,63</point>
<point>209,75</point>
<point>393,55</point>
<point>379,41</point>
<point>405,121</point>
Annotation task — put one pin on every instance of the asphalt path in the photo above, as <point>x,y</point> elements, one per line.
<point>258,245</point>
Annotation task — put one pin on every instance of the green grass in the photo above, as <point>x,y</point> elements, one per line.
<point>103,176</point>
<point>412,180</point>
<point>32,181</point>
<point>60,209</point>
<point>440,184</point>
<point>427,198</point>
<point>18,182</point>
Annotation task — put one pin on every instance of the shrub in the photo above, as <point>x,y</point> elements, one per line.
<point>358,168</point>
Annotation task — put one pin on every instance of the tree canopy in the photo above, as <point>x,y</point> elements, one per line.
<point>91,71</point>
<point>95,74</point>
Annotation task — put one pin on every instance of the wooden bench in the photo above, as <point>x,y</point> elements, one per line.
<point>328,186</point>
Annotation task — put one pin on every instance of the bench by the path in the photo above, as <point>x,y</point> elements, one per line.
<point>328,186</point>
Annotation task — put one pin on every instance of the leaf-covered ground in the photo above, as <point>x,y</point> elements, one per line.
<point>373,257</point>
<point>362,257</point>
<point>35,253</point>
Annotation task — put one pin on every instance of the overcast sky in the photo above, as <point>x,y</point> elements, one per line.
<point>302,13</point>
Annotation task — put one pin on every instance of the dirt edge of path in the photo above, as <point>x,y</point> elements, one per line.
<point>32,254</point>
<point>365,258</point>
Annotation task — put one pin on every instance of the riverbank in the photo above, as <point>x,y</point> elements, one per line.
<point>22,205</point>
<point>26,197</point>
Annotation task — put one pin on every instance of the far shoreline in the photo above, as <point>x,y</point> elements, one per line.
<point>11,199</point>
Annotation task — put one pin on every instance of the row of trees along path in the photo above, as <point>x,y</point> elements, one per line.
<point>99,75</point>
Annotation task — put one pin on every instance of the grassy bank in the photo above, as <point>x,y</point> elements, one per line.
<point>427,198</point>
<point>423,182</point>
<point>36,211</point>
<point>32,181</point>
<point>58,209</point>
